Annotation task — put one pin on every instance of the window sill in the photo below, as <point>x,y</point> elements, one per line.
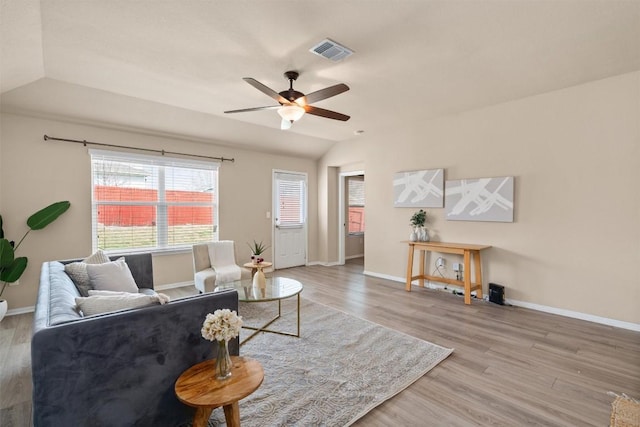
<point>154,251</point>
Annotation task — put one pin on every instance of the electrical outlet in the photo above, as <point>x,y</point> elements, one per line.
<point>440,262</point>
<point>457,266</point>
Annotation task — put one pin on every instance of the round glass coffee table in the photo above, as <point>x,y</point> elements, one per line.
<point>276,289</point>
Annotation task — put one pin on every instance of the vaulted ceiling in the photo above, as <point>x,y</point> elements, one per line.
<point>174,66</point>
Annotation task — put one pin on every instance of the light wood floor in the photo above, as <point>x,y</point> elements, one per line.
<point>511,366</point>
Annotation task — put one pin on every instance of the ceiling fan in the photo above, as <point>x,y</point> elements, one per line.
<point>293,104</point>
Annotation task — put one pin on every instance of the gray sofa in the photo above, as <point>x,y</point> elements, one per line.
<point>115,369</point>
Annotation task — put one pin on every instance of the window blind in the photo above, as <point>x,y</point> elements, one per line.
<point>142,202</point>
<point>356,205</point>
<point>291,195</point>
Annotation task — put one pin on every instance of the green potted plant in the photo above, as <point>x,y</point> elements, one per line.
<point>12,267</point>
<point>257,249</point>
<point>418,219</point>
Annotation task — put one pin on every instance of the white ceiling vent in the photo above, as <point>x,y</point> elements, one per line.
<point>331,50</point>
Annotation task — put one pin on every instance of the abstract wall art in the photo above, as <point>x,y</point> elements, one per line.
<point>423,188</point>
<point>484,199</point>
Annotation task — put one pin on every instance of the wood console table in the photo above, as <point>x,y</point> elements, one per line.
<point>466,250</point>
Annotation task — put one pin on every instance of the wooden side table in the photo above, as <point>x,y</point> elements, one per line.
<point>255,267</point>
<point>199,388</point>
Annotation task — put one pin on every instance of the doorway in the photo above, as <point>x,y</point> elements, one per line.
<point>351,196</point>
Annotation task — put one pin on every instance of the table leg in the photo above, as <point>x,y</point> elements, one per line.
<point>478,268</point>
<point>201,418</point>
<point>409,269</point>
<point>232,414</point>
<point>421,279</point>
<point>298,316</point>
<point>467,277</point>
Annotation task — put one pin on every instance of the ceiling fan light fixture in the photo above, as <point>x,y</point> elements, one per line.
<point>291,112</point>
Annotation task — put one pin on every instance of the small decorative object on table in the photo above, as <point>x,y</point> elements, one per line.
<point>222,326</point>
<point>257,249</point>
<point>419,233</point>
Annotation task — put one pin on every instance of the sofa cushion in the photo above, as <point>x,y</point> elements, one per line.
<point>112,276</point>
<point>98,304</point>
<point>78,271</point>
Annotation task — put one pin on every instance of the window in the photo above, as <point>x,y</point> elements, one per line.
<point>144,202</point>
<point>356,205</point>
<point>290,196</point>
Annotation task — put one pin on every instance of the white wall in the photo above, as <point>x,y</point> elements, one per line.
<point>35,173</point>
<point>575,155</point>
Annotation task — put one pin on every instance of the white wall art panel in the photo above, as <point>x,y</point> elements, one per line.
<point>484,199</point>
<point>423,188</point>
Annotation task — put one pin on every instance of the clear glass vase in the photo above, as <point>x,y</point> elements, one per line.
<point>223,362</point>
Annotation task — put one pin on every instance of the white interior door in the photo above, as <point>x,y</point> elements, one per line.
<point>290,219</point>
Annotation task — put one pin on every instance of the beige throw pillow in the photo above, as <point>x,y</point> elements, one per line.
<point>98,304</point>
<point>77,271</point>
<point>162,298</point>
<point>112,276</point>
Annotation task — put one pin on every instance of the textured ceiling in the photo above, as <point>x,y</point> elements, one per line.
<point>175,66</point>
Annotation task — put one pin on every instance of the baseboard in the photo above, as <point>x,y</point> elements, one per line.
<point>537,307</point>
<point>354,256</point>
<point>576,315</point>
<point>21,310</point>
<point>173,285</point>
<point>324,264</point>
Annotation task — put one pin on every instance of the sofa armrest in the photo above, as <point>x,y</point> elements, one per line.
<point>119,369</point>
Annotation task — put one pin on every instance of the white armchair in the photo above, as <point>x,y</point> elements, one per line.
<point>215,263</point>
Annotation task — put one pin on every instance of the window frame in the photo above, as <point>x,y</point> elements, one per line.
<point>161,205</point>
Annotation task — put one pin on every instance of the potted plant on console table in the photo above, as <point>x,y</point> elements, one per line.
<point>11,268</point>
<point>417,222</point>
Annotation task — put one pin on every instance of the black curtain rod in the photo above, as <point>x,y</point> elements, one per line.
<point>163,152</point>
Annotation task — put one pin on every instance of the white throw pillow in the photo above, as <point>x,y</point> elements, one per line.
<point>112,276</point>
<point>162,298</point>
<point>98,257</point>
<point>78,271</point>
<point>98,304</point>
<point>94,292</point>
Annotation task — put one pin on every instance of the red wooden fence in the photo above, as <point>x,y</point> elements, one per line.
<point>131,215</point>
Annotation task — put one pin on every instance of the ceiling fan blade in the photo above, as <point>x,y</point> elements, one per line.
<point>266,90</point>
<point>321,94</point>
<point>244,110</point>
<point>285,124</point>
<point>326,113</point>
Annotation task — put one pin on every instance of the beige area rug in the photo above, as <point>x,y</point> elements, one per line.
<point>625,412</point>
<point>340,368</point>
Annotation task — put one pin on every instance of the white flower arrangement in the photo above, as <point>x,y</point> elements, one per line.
<point>222,325</point>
